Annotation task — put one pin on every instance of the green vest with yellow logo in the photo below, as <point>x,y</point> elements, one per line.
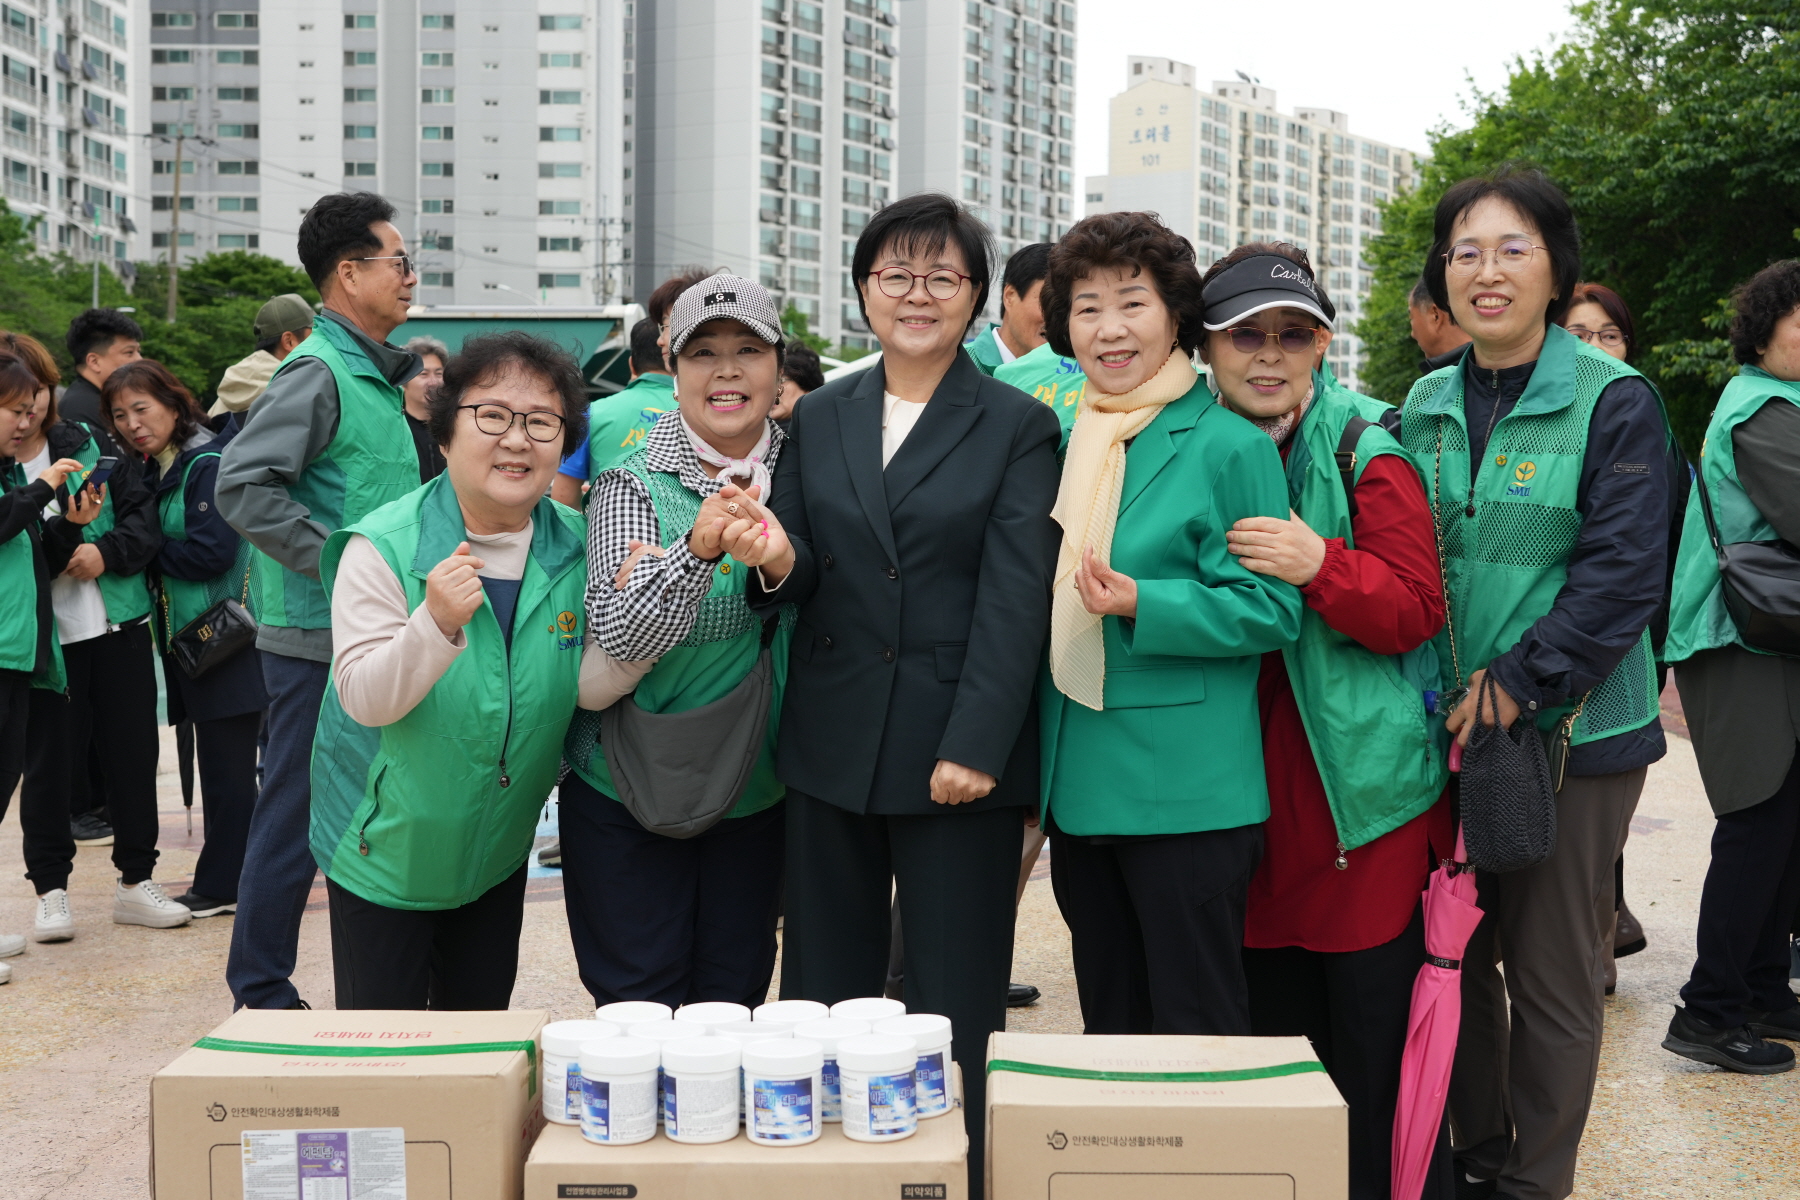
<point>1044,374</point>
<point>617,423</point>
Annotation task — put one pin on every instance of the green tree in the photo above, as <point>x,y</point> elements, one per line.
<point>795,325</point>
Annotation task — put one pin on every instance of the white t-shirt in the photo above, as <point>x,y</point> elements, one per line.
<point>79,607</point>
<point>1006,354</point>
<point>897,420</point>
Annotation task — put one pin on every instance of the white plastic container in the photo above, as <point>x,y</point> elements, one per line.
<point>781,1091</point>
<point>789,1013</point>
<point>618,1084</point>
<point>828,1033</point>
<point>700,1089</point>
<point>876,1074</point>
<point>868,1008</point>
<point>712,1013</point>
<point>662,1033</point>
<point>560,1048</point>
<point>744,1033</point>
<point>626,1013</point>
<point>931,1091</point>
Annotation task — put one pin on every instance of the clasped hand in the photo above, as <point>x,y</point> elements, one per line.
<point>731,522</point>
<point>453,590</point>
<point>1288,550</point>
<point>1461,721</point>
<point>1105,592</point>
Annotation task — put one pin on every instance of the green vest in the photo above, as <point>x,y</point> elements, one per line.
<point>185,599</point>
<point>1504,566</point>
<point>617,423</point>
<point>127,597</point>
<point>432,811</point>
<point>715,656</point>
<point>1048,376</point>
<point>18,595</point>
<point>985,350</point>
<point>370,461</point>
<point>1377,749</point>
<point>1698,619</point>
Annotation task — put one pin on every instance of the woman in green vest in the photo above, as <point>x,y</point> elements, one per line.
<point>457,664</point>
<point>202,561</point>
<point>1334,937</point>
<point>108,677</point>
<point>1153,785</point>
<point>1743,702</point>
<point>656,917</point>
<point>1549,464</point>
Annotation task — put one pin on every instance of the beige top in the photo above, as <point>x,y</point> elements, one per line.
<point>244,381</point>
<point>385,659</point>
<point>897,420</point>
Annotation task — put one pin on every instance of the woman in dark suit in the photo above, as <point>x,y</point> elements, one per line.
<point>916,497</point>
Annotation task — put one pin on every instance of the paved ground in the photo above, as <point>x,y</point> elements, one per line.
<point>83,1025</point>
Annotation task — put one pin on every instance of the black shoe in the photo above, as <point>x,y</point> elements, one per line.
<point>205,906</point>
<point>1021,995</point>
<point>89,830</point>
<point>1630,938</point>
<point>551,855</point>
<point>1469,1188</point>
<point>1734,1049</point>
<point>1784,1024</point>
<point>299,1003</point>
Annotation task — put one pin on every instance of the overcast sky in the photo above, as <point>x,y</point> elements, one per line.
<point>1398,67</point>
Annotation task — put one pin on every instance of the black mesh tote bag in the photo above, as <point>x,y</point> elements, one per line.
<point>1508,804</point>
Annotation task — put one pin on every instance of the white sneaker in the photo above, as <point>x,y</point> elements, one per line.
<point>145,904</point>
<point>11,944</point>
<point>5,972</point>
<point>54,921</point>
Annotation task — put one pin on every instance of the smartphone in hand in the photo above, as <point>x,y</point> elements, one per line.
<point>101,473</point>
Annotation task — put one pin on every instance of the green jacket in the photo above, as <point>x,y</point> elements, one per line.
<point>433,810</point>
<point>18,594</point>
<point>1048,376</point>
<point>984,350</point>
<point>617,423</point>
<point>127,597</point>
<point>1698,618</point>
<point>1178,747</point>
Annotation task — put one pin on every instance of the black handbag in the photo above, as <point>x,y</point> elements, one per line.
<point>1761,582</point>
<point>1508,803</point>
<point>214,636</point>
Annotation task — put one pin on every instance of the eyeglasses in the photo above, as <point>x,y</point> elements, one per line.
<point>1612,339</point>
<point>405,261</point>
<point>939,285</point>
<point>1295,339</point>
<point>1508,256</point>
<point>495,419</point>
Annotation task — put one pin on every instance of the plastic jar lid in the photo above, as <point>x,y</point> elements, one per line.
<point>868,1008</point>
<point>702,1055</point>
<point>791,1012</point>
<point>626,1013</point>
<point>565,1037</point>
<point>783,1058</point>
<point>667,1031</point>
<point>878,1053</point>
<point>931,1032</point>
<point>712,1013</point>
<point>619,1056</point>
<point>830,1031</point>
<point>745,1032</point>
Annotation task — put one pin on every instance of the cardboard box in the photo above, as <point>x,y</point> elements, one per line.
<point>932,1164</point>
<point>388,1111</point>
<point>1208,1136</point>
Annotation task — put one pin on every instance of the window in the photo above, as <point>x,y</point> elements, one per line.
<point>806,149</point>
<point>804,279</point>
<point>559,170</point>
<point>171,93</point>
<point>805,181</point>
<point>559,281</point>
<point>436,241</point>
<point>359,58</point>
<point>437,21</point>
<point>248,58</point>
<point>559,208</point>
<point>434,58</point>
<point>248,132</point>
<point>248,166</point>
<point>572,21</point>
<point>359,20</point>
<point>437,206</point>
<point>358,132</point>
<point>234,20</point>
<point>441,170</point>
<point>437,133</point>
<point>359,95</point>
<point>806,213</point>
<point>161,203</point>
<point>359,168</point>
<point>166,166</point>
<point>240,241</point>
<point>162,239</point>
<point>559,244</point>
<point>235,203</point>
<point>158,57</point>
<point>172,20</point>
<point>439,278</point>
<point>437,95</point>
<point>772,210</point>
<point>559,60</point>
<point>559,133</point>
<point>810,84</point>
<point>805,246</point>
<point>546,96</point>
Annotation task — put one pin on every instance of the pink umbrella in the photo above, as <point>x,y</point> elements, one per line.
<point>1450,918</point>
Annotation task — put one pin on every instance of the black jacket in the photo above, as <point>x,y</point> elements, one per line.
<point>21,515</point>
<point>923,591</point>
<point>80,401</point>
<point>131,544</point>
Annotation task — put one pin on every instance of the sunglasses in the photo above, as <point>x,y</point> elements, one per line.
<point>1295,339</point>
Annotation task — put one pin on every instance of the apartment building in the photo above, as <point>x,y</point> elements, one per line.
<point>494,131</point>
<point>1225,166</point>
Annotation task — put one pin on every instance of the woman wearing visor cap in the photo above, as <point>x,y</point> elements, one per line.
<point>1356,778</point>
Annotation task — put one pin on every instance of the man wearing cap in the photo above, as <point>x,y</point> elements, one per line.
<point>281,325</point>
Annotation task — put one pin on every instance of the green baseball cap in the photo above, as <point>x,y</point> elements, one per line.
<point>284,314</point>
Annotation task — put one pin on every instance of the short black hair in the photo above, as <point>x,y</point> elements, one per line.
<point>1420,295</point>
<point>923,224</point>
<point>801,365</point>
<point>1539,201</point>
<point>1759,304</point>
<point>1027,265</point>
<point>96,330</point>
<point>663,298</point>
<point>646,355</point>
<point>1132,241</point>
<point>487,358</point>
<point>336,227</point>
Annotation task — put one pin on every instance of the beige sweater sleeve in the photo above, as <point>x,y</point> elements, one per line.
<point>605,679</point>
<point>384,659</point>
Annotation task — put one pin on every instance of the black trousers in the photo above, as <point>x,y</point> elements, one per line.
<point>954,873</point>
<point>112,702</point>
<point>1747,909</point>
<point>1353,1007</point>
<point>225,751</point>
<point>675,920</point>
<point>446,959</point>
<point>15,705</point>
<point>1156,926</point>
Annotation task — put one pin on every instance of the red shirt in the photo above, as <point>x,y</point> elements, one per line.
<point>1387,595</point>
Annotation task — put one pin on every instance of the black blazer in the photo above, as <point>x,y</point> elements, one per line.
<point>923,591</point>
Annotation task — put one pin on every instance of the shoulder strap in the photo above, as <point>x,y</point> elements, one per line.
<point>1712,527</point>
<point>1346,458</point>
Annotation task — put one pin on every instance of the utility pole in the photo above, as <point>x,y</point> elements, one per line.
<point>174,230</point>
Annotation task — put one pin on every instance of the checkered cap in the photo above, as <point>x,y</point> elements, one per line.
<point>723,296</point>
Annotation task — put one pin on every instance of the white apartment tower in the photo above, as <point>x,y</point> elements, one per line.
<point>67,153</point>
<point>494,131</point>
<point>1226,167</point>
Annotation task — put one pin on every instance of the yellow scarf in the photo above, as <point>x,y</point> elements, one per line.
<point>1087,508</point>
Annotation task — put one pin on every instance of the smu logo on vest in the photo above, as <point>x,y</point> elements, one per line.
<point>1523,474</point>
<point>568,636</point>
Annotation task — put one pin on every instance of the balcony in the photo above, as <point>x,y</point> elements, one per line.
<point>27,142</point>
<point>18,38</point>
<point>19,190</point>
<point>18,89</point>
